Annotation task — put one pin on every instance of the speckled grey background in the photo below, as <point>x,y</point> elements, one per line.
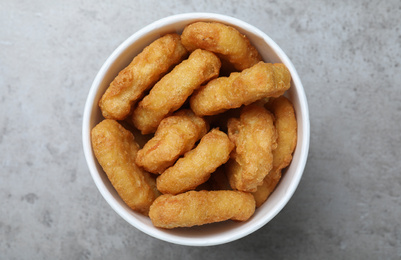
<point>348,204</point>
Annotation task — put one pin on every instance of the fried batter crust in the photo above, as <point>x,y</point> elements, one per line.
<point>170,93</point>
<point>261,81</point>
<point>195,208</point>
<point>196,166</point>
<point>224,40</point>
<point>175,136</point>
<point>140,75</point>
<point>269,184</point>
<point>254,136</point>
<point>286,126</point>
<point>215,97</point>
<point>115,150</point>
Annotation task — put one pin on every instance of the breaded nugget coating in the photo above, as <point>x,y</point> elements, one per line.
<point>196,166</point>
<point>195,208</point>
<point>214,97</point>
<point>286,126</point>
<point>262,80</point>
<point>254,136</point>
<point>269,184</point>
<point>141,74</point>
<point>170,93</point>
<point>175,136</point>
<point>115,150</point>
<point>224,40</point>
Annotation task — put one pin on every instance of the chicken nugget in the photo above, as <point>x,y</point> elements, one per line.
<point>141,74</point>
<point>195,208</point>
<point>196,166</point>
<point>261,81</point>
<point>269,184</point>
<point>286,126</point>
<point>224,40</point>
<point>115,150</point>
<point>214,97</point>
<point>254,136</point>
<point>175,136</point>
<point>170,93</point>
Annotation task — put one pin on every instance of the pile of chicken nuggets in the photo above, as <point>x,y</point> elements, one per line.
<point>215,127</point>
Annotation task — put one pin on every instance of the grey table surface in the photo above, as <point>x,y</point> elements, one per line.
<point>348,204</point>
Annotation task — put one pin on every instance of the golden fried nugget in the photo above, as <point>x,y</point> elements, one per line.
<point>196,166</point>
<point>195,208</point>
<point>175,136</point>
<point>269,184</point>
<point>261,81</point>
<point>140,75</point>
<point>224,40</point>
<point>170,93</point>
<point>286,126</point>
<point>254,136</point>
<point>115,150</point>
<point>214,97</point>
